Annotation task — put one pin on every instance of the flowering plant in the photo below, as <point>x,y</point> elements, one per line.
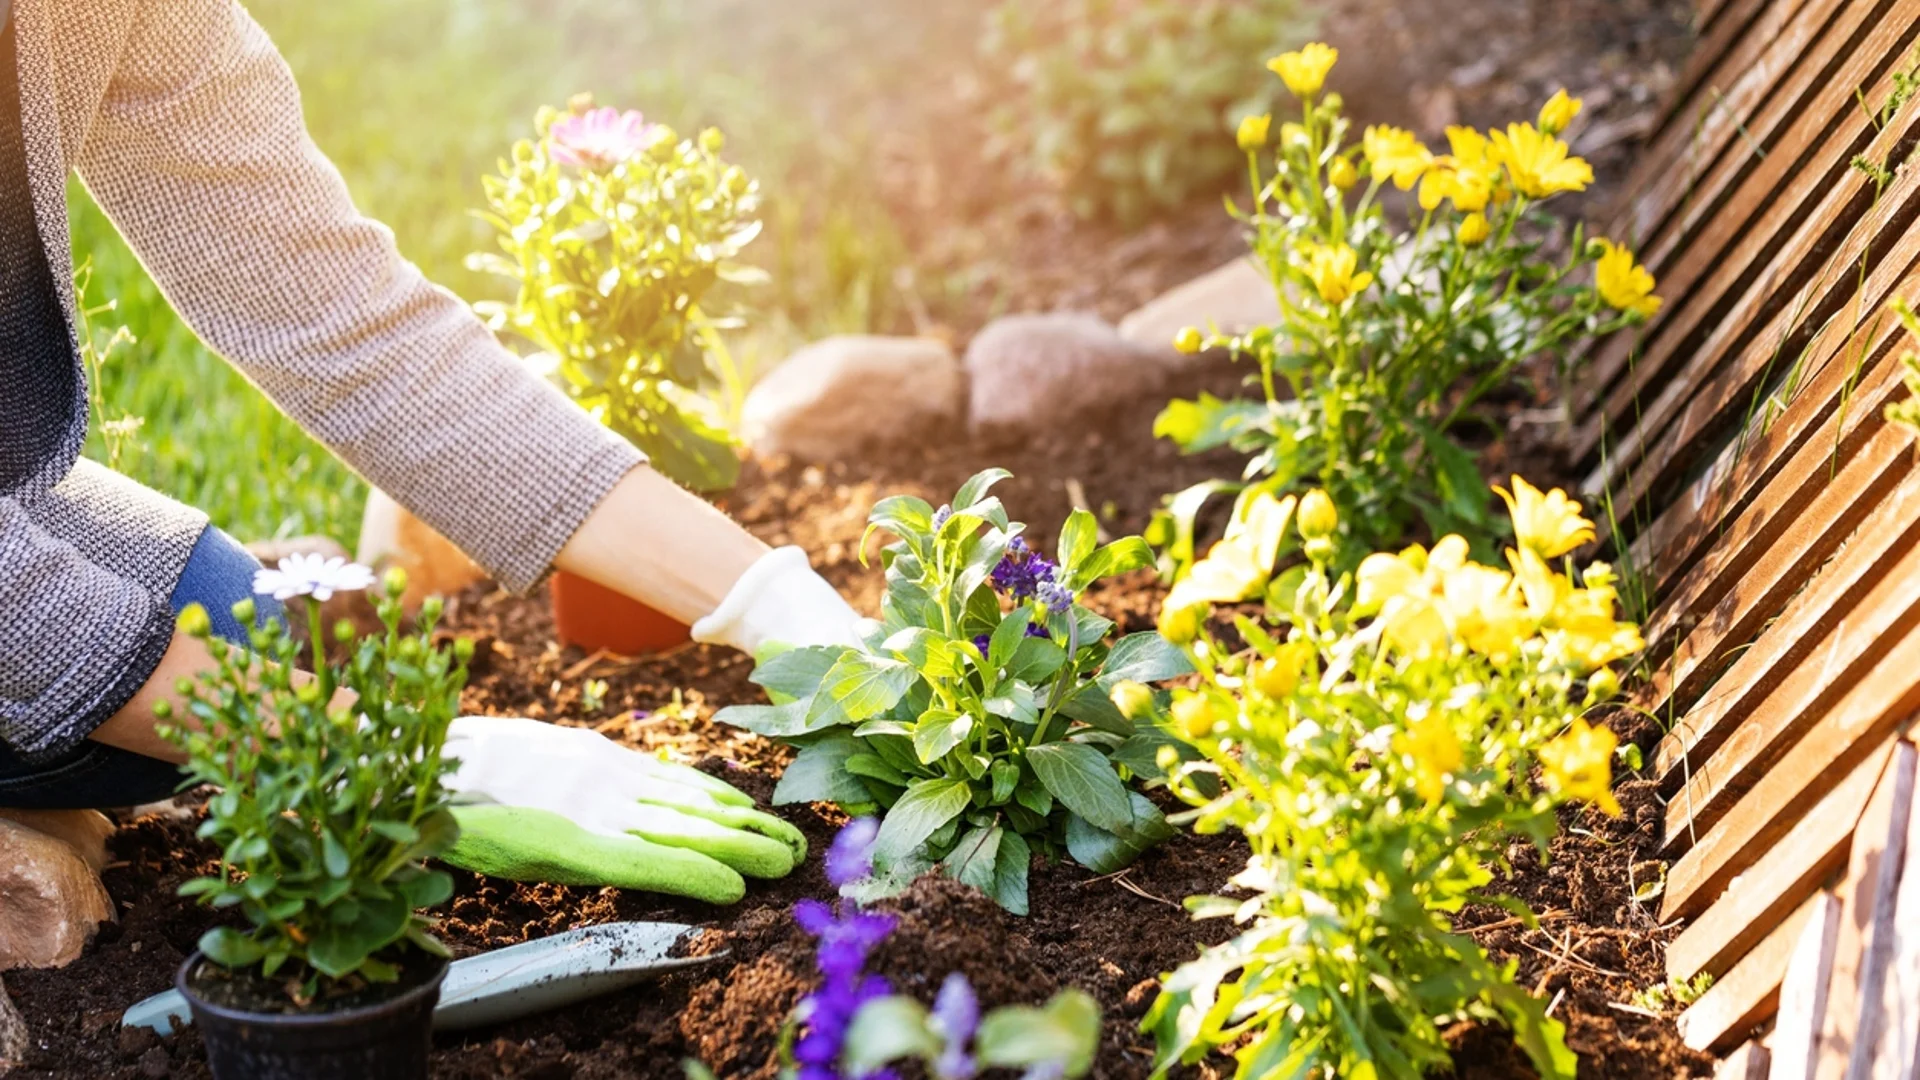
<point>616,231</point>
<point>976,711</point>
<point>326,812</point>
<point>1390,337</point>
<point>1380,741</point>
<point>1121,104</point>
<point>854,1027</point>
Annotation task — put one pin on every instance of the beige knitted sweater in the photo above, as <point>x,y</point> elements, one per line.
<point>185,124</point>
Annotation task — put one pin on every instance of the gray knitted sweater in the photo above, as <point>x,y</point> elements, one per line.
<point>185,125</point>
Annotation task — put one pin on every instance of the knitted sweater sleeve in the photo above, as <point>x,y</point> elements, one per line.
<point>200,156</point>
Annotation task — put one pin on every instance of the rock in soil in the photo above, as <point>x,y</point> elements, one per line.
<point>833,397</point>
<point>13,1034</point>
<point>1032,372</point>
<point>50,899</point>
<point>1230,300</point>
<point>85,831</point>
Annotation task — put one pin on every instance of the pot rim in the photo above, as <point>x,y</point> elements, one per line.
<point>303,1020</point>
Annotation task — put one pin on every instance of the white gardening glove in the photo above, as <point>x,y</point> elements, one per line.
<point>539,802</point>
<point>779,604</point>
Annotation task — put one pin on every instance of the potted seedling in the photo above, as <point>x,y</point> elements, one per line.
<point>615,232</point>
<point>328,805</point>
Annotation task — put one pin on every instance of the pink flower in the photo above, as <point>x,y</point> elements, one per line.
<point>598,138</point>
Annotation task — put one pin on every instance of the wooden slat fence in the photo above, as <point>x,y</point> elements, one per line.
<point>1738,443</point>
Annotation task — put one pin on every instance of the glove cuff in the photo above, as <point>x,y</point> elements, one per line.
<point>731,623</point>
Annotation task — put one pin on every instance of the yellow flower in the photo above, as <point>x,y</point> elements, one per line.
<point>1436,753</point>
<point>1279,675</point>
<point>1395,154</point>
<point>1253,132</point>
<point>1558,112</point>
<point>1188,340</point>
<point>1317,515</point>
<point>1549,524</point>
<point>1474,230</point>
<point>1195,715</point>
<point>1470,188</point>
<point>1335,272</point>
<point>1488,615</point>
<point>1470,148</point>
<point>1305,70</point>
<point>1580,652</point>
<point>1435,186</point>
<point>1579,765</point>
<point>1538,163</point>
<point>1624,284</point>
<point>1342,175</point>
<point>1181,624</point>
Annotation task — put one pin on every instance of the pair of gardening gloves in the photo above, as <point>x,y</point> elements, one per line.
<point>539,802</point>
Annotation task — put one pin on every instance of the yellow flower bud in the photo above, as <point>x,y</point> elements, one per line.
<point>1194,714</point>
<point>1134,700</point>
<point>431,609</point>
<point>711,140</point>
<point>1189,340</point>
<point>343,631</point>
<point>163,709</point>
<point>194,621</point>
<point>1253,132</point>
<point>1602,685</point>
<point>1474,229</point>
<point>1278,676</point>
<point>1558,112</point>
<point>394,583</point>
<point>1317,515</point>
<point>1341,174</point>
<point>1181,625</point>
<point>244,612</point>
<point>580,103</point>
<point>463,649</point>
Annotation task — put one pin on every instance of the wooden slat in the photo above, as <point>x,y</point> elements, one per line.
<point>1741,584</point>
<point>1749,1062</point>
<point>1863,949</point>
<point>1748,466</point>
<point>1750,992</point>
<point>1706,399</point>
<point>1720,52</point>
<point>1804,993</point>
<point>1743,725</point>
<point>1795,868</point>
<point>1897,1052</point>
<point>1852,730</point>
<point>1808,132</point>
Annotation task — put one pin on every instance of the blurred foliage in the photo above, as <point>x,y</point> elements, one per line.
<point>415,100</point>
<point>1123,104</point>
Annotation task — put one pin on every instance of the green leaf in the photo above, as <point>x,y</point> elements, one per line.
<point>1016,702</point>
<point>1106,852</point>
<point>1091,705</point>
<point>795,718</point>
<point>1141,752</point>
<point>860,685</point>
<point>974,859</point>
<point>819,774</point>
<point>1036,660</point>
<point>1078,537</point>
<point>796,673</point>
<point>1208,423</point>
<point>920,813</point>
<point>1080,777</point>
<point>885,1030</point>
<point>397,831</point>
<point>429,889</point>
<point>902,515</point>
<point>930,653</point>
<point>939,731</point>
<point>1010,865</point>
<point>333,854</point>
<point>1065,1030</point>
<point>231,948</point>
<point>1145,657</point>
<point>976,486</point>
<point>1123,555</point>
<point>1008,636</point>
<point>1006,776</point>
<point>877,768</point>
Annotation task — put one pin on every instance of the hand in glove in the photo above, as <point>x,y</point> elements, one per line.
<point>779,604</point>
<point>539,802</point>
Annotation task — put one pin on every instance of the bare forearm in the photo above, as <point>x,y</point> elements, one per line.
<point>132,728</point>
<point>661,545</point>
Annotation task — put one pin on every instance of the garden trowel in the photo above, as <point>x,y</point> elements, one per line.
<point>516,981</point>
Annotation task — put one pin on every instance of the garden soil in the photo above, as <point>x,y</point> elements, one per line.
<point>1112,936</point>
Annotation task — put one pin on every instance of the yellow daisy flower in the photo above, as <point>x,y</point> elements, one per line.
<point>1335,272</point>
<point>1623,283</point>
<point>1550,523</point>
<point>1395,154</point>
<point>1538,163</point>
<point>1474,230</point>
<point>1579,765</point>
<point>1436,753</point>
<point>1305,70</point>
<point>1253,132</point>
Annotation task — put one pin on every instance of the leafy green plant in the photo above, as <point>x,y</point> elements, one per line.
<point>1377,740</point>
<point>326,811</point>
<point>976,711</point>
<point>616,232</point>
<point>1122,104</point>
<point>1391,337</point>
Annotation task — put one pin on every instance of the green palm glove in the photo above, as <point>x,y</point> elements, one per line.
<point>537,802</point>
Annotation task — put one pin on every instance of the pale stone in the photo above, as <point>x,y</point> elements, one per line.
<point>1230,300</point>
<point>1031,371</point>
<point>390,536</point>
<point>50,899</point>
<point>13,1034</point>
<point>85,831</point>
<point>835,396</point>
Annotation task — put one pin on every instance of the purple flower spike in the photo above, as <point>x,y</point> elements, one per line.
<point>850,857</point>
<point>1055,596</point>
<point>1038,630</point>
<point>1022,570</point>
<point>941,517</point>
<point>983,642</point>
<point>956,1013</point>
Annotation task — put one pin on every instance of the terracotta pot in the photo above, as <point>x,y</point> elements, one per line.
<point>594,617</point>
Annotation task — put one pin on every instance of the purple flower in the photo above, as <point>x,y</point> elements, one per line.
<point>941,517</point>
<point>982,642</point>
<point>1038,630</point>
<point>1022,570</point>
<point>956,1013</point>
<point>850,857</point>
<point>599,138</point>
<point>1057,597</point>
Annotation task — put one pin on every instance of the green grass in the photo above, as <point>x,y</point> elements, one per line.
<point>415,99</point>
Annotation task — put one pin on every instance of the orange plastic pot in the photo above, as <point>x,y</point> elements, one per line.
<point>595,617</point>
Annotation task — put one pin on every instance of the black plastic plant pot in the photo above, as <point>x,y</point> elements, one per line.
<point>383,1040</point>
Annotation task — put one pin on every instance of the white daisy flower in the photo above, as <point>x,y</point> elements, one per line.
<point>311,575</point>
